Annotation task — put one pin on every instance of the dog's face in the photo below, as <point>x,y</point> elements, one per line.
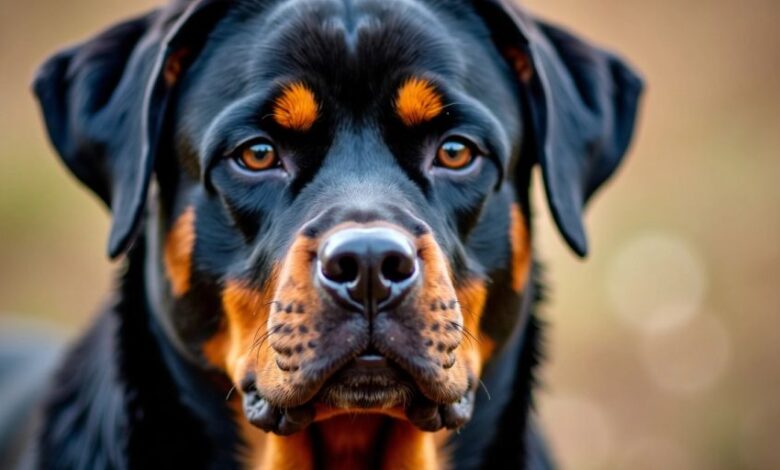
<point>342,219</point>
<point>343,169</point>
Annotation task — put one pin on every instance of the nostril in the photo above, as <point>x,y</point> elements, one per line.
<point>342,269</point>
<point>397,268</point>
<point>367,268</point>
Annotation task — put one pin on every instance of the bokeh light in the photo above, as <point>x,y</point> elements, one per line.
<point>656,282</point>
<point>690,359</point>
<point>653,453</point>
<point>585,439</point>
<point>758,436</point>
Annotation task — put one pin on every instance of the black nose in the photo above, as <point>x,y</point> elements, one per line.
<point>368,268</point>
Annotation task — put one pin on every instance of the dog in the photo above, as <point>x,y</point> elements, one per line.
<point>322,210</point>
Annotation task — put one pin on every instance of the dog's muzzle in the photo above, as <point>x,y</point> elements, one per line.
<point>365,318</point>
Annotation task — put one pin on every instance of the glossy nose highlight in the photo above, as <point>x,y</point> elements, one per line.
<point>368,268</point>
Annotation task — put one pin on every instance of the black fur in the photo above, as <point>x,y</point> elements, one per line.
<point>124,399</point>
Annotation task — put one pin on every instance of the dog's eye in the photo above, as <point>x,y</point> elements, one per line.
<point>257,156</point>
<point>454,154</point>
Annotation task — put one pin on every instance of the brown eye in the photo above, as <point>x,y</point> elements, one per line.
<point>454,154</point>
<point>259,156</point>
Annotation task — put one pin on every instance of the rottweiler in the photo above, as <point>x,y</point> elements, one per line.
<point>322,211</point>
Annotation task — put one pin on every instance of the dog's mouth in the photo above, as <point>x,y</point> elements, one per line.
<point>370,381</point>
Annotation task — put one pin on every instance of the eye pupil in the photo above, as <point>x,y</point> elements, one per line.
<point>257,157</point>
<point>454,155</point>
<point>453,148</point>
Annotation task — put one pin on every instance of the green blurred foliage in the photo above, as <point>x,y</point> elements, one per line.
<point>700,187</point>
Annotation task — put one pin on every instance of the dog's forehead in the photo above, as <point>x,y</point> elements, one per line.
<point>349,49</point>
<point>364,40</point>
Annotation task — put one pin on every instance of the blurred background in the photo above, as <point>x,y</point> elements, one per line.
<point>663,346</point>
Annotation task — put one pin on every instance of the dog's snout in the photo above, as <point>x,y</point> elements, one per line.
<point>368,268</point>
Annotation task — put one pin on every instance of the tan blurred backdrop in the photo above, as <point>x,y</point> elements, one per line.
<point>663,348</point>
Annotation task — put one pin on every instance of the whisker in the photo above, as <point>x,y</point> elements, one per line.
<point>465,331</point>
<point>254,337</point>
<point>484,387</point>
<point>449,105</point>
<point>256,343</point>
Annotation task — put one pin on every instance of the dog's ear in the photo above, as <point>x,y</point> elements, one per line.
<point>580,105</point>
<point>104,104</point>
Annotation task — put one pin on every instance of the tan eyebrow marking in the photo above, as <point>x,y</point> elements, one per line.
<point>296,108</point>
<point>521,63</point>
<point>417,102</point>
<point>175,64</point>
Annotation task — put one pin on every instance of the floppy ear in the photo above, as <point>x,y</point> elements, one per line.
<point>581,104</point>
<point>104,104</point>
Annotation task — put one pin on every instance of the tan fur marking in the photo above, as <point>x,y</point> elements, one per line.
<point>472,296</point>
<point>410,449</point>
<point>417,102</point>
<point>521,249</point>
<point>177,257</point>
<point>296,108</point>
<point>348,442</point>
<point>246,319</point>
<point>174,65</point>
<point>288,453</point>
<point>444,457</point>
<point>521,63</point>
<point>486,346</point>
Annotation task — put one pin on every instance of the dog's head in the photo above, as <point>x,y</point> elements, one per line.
<point>340,220</point>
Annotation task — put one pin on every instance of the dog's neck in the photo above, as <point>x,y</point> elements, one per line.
<point>126,397</point>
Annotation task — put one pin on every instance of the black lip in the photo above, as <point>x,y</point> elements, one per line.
<point>369,381</point>
<point>371,361</point>
<point>282,421</point>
